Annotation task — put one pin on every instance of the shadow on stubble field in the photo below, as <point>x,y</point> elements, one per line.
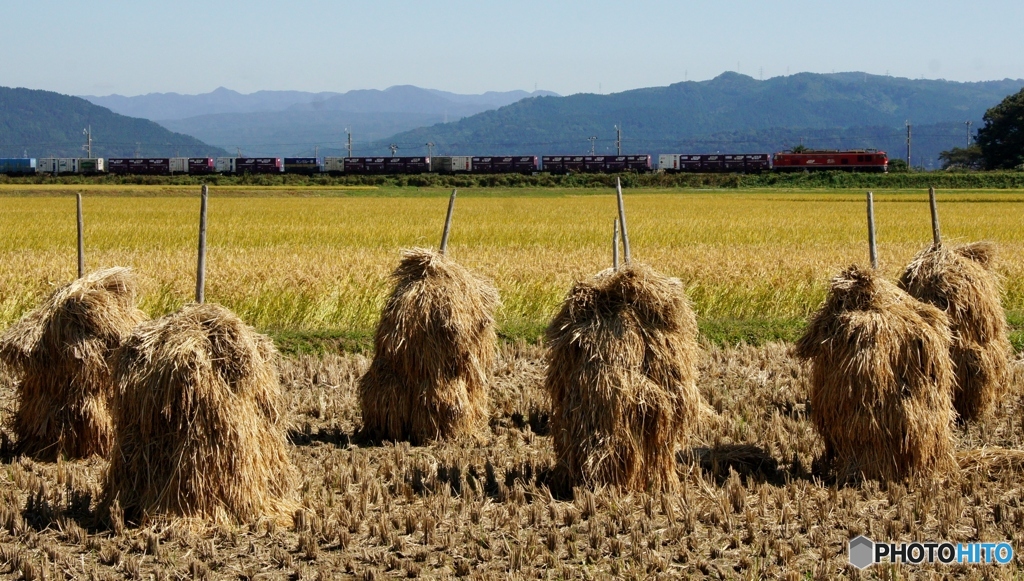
<point>487,508</point>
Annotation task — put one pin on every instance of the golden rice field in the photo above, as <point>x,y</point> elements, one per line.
<point>311,260</point>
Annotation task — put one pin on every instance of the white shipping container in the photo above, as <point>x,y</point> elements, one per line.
<point>46,165</point>
<point>224,164</point>
<point>451,163</point>
<point>668,161</point>
<point>334,164</point>
<point>67,165</point>
<point>179,165</point>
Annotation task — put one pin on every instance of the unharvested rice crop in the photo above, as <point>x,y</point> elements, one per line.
<point>433,353</point>
<point>319,260</point>
<point>58,355</point>
<point>621,374</point>
<point>197,422</point>
<point>881,383</point>
<point>959,281</point>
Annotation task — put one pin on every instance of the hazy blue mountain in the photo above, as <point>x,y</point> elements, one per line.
<point>731,112</point>
<point>157,106</point>
<point>44,124</point>
<point>293,122</point>
<point>297,133</point>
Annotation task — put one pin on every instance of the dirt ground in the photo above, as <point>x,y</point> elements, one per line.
<point>752,506</point>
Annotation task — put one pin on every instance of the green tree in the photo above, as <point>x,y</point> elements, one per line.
<point>963,158</point>
<point>1001,139</point>
<point>898,166</point>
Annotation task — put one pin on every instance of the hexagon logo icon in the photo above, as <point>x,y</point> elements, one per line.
<point>861,552</point>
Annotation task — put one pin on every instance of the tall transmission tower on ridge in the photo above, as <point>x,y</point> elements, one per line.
<point>593,140</point>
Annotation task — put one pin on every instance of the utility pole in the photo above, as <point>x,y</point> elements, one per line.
<point>908,145</point>
<point>239,151</point>
<point>430,148</point>
<point>968,124</point>
<point>394,149</point>
<point>88,141</point>
<point>593,140</point>
<point>316,152</point>
<point>618,140</point>
<point>138,149</point>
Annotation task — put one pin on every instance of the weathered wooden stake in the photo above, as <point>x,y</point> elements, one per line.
<point>201,268</point>
<point>81,238</point>
<point>871,230</point>
<point>448,222</point>
<point>615,244</point>
<point>936,237</point>
<point>622,221</point>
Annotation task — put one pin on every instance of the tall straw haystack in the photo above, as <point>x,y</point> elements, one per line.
<point>199,431</point>
<point>622,368</point>
<point>881,380</point>
<point>58,355</point>
<point>960,282</point>
<point>434,349</point>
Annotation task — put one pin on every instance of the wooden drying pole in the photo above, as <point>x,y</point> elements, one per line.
<point>448,222</point>
<point>622,221</point>
<point>871,230</point>
<point>81,237</point>
<point>201,267</point>
<point>936,237</point>
<point>615,244</point>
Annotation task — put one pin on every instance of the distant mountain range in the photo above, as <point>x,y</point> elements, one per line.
<point>731,112</point>
<point>44,123</point>
<point>292,122</point>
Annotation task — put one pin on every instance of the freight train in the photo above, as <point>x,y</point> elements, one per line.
<point>785,161</point>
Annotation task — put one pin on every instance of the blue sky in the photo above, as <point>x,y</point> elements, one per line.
<point>188,46</point>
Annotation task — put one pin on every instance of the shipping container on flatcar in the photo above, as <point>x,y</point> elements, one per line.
<point>733,162</point>
<point>257,165</point>
<point>449,164</point>
<point>713,163</point>
<point>638,163</point>
<point>201,165</point>
<point>302,165</point>
<point>178,165</point>
<point>365,165</point>
<point>334,165</point>
<point>117,165</point>
<point>562,163</point>
<point>525,164</point>
<point>406,165</point>
<point>57,165</point>
<point>482,164</point>
<point>225,164</point>
<point>15,166</point>
<point>757,162</point>
<point>853,160</point>
<point>158,166</point>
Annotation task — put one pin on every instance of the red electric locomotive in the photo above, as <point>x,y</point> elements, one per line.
<point>812,160</point>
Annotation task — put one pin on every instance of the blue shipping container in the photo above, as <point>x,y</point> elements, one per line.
<point>11,165</point>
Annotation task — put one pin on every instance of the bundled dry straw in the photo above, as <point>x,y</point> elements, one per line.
<point>881,381</point>
<point>622,370</point>
<point>58,355</point>
<point>434,349</point>
<point>197,421</point>
<point>960,282</point>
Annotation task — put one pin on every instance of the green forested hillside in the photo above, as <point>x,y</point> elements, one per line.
<point>732,112</point>
<point>44,124</point>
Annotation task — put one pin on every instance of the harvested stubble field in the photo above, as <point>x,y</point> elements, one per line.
<point>750,506</point>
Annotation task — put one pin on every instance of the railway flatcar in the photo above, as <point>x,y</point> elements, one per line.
<point>853,160</point>
<point>386,165</point>
<point>715,162</point>
<point>302,165</point>
<point>524,164</point>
